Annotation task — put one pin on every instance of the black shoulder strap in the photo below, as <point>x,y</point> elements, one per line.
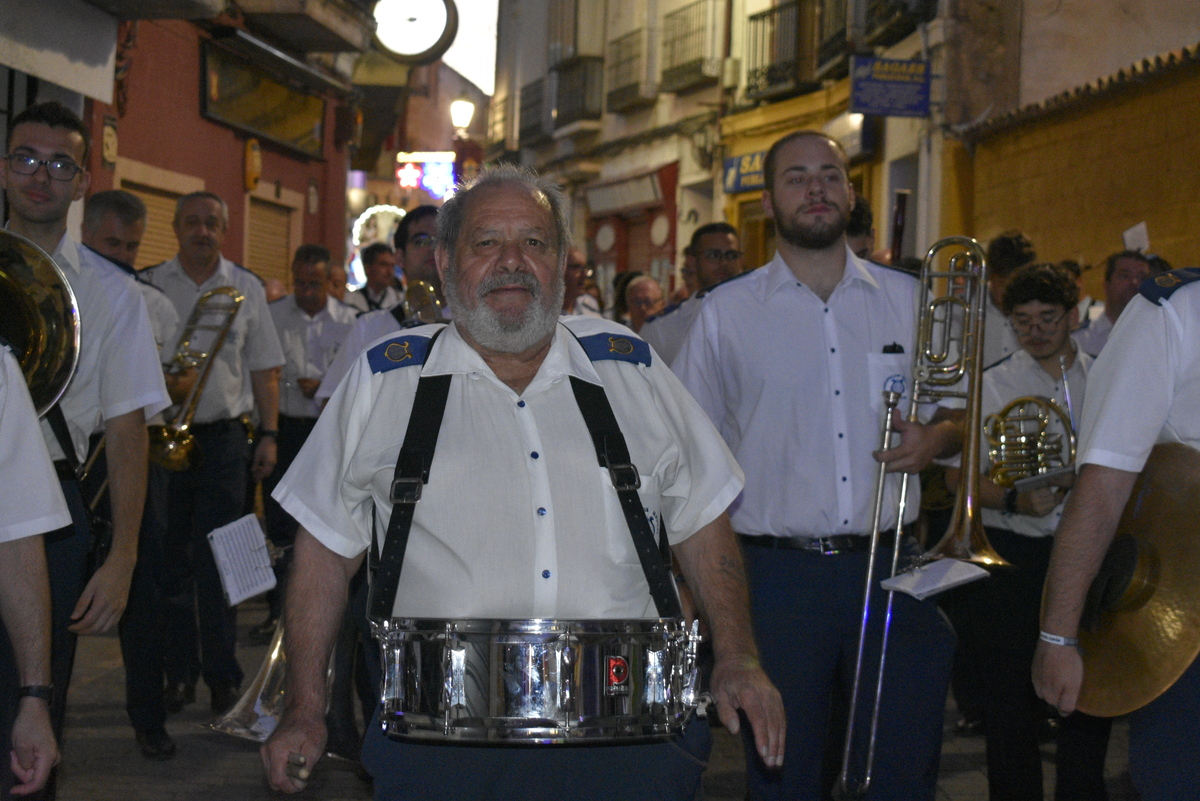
<point>412,473</point>
<point>397,311</point>
<point>613,455</point>
<point>58,424</point>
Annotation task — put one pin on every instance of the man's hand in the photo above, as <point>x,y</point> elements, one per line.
<point>180,384</point>
<point>1039,502</point>
<point>264,458</point>
<point>308,386</point>
<point>291,752</point>
<point>34,751</point>
<point>103,599</point>
<point>1058,675</point>
<point>742,684</point>
<point>920,444</point>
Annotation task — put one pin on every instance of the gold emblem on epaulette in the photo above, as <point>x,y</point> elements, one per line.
<point>1166,280</point>
<point>398,352</point>
<point>620,345</point>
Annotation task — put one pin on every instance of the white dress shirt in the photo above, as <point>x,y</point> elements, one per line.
<point>31,500</point>
<point>251,344</point>
<point>518,519</point>
<point>795,385</point>
<point>1012,378</point>
<point>309,346</point>
<point>999,339</point>
<point>364,300</point>
<point>1092,337</point>
<point>1145,386</point>
<point>366,329</point>
<point>118,369</point>
<point>665,331</point>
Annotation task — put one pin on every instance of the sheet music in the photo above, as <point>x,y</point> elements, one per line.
<point>243,560</point>
<point>937,576</point>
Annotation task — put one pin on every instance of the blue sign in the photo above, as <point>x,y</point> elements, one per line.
<point>889,87</point>
<point>744,173</point>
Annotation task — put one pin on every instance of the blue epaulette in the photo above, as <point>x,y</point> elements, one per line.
<point>404,351</point>
<point>600,347</point>
<point>664,312</point>
<point>1160,287</point>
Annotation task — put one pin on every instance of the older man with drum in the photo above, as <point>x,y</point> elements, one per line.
<point>546,468</point>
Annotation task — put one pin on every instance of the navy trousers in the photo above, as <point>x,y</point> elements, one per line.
<point>1164,742</point>
<point>807,611</point>
<point>666,771</point>
<point>208,495</point>
<point>282,527</point>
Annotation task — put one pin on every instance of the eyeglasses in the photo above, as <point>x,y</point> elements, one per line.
<point>421,240</point>
<point>712,254</point>
<point>1047,321</point>
<point>58,169</point>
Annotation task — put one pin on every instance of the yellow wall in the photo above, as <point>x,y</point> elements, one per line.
<point>1072,181</point>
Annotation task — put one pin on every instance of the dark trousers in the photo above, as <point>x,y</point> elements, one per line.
<point>67,551</point>
<point>208,495</point>
<point>666,771</point>
<point>1004,614</point>
<point>282,527</point>
<point>1164,742</point>
<point>807,612</point>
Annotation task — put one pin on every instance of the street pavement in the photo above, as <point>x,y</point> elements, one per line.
<point>101,761</point>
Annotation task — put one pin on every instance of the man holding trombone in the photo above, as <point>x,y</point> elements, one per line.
<point>790,362</point>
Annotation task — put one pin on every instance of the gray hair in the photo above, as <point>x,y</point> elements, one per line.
<point>454,211</point>
<point>179,204</point>
<point>127,206</point>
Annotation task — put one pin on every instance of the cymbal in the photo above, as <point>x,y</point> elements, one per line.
<point>1145,630</point>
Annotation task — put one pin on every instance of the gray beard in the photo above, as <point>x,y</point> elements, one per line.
<point>504,334</point>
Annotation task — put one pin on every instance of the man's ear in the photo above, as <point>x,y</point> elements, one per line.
<point>441,257</point>
<point>767,204</point>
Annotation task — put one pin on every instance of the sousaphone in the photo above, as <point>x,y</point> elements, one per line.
<point>1141,624</point>
<point>39,318</point>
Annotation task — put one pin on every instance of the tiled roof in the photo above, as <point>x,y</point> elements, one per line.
<point>1136,73</point>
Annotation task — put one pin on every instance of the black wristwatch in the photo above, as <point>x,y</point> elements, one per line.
<point>43,691</point>
<point>1010,500</point>
<point>266,432</point>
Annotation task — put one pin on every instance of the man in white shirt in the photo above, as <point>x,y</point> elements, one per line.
<point>516,520</point>
<point>1124,272</point>
<point>243,377</point>
<point>380,292</point>
<point>1040,302</point>
<point>1005,254</point>
<point>1143,390</point>
<point>117,385</point>
<point>790,362</point>
<point>311,327</point>
<point>31,504</point>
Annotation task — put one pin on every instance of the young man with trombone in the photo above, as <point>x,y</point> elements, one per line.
<point>790,362</point>
<point>1141,417</point>
<point>1030,402</point>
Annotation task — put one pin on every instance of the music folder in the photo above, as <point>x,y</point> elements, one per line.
<point>935,577</point>
<point>243,560</point>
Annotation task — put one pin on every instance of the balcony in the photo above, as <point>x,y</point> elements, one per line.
<point>628,87</point>
<point>777,63</point>
<point>688,47</point>
<point>161,9</point>
<point>536,126</point>
<point>580,94</point>
<point>499,114</point>
<point>831,38</point>
<point>311,26</point>
<point>888,21</point>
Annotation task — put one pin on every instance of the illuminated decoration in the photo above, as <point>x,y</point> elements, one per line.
<point>432,171</point>
<point>366,220</point>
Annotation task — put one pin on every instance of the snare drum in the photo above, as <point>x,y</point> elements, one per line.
<point>537,681</point>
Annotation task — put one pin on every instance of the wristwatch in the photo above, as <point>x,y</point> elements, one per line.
<point>266,432</point>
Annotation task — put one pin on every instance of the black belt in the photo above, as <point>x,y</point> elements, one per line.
<point>64,471</point>
<point>826,546</point>
<point>217,425</point>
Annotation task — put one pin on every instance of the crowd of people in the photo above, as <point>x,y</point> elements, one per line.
<point>441,437</point>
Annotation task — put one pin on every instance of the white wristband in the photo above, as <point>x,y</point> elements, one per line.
<point>1055,639</point>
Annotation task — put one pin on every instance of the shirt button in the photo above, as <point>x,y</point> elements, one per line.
<point>545,574</point>
<point>837,392</point>
<point>521,404</point>
<point>833,350</point>
<point>533,455</point>
<point>845,522</point>
<point>840,436</point>
<point>843,478</point>
<point>542,511</point>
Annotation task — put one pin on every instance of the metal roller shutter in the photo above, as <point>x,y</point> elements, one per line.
<point>267,241</point>
<point>159,242</point>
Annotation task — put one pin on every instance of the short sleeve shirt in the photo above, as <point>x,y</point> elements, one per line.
<point>251,344</point>
<point>366,329</point>
<point>665,332</point>
<point>310,345</point>
<point>518,519</point>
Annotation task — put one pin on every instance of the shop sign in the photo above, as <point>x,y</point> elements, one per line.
<point>744,173</point>
<point>889,87</point>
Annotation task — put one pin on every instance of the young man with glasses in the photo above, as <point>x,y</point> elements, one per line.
<point>117,386</point>
<point>1040,302</point>
<point>718,257</point>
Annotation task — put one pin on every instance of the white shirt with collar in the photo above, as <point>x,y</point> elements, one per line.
<point>665,331</point>
<point>309,346</point>
<point>118,370</point>
<point>1012,378</point>
<point>1145,386</point>
<point>364,300</point>
<point>795,385</point>
<point>1092,337</point>
<point>31,500</point>
<point>999,339</point>
<point>366,329</point>
<point>518,519</point>
<point>252,343</point>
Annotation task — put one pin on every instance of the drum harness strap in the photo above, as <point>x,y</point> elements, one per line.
<point>412,473</point>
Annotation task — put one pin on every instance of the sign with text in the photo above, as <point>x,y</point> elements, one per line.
<point>889,87</point>
<point>744,173</point>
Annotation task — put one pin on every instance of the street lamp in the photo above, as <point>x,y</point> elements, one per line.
<point>461,112</point>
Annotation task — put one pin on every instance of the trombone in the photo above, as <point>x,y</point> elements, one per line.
<point>947,356</point>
